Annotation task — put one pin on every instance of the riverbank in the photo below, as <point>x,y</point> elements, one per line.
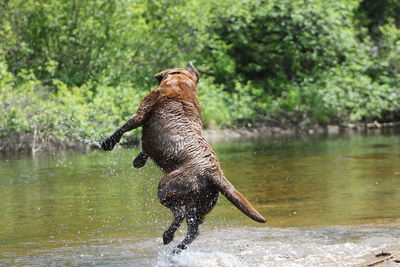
<point>31,143</point>
<point>269,129</point>
<point>276,132</point>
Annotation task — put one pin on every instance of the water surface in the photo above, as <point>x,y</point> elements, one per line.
<point>327,202</point>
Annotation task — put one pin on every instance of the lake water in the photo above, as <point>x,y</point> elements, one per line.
<point>328,202</point>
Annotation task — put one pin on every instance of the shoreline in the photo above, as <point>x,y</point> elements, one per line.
<point>31,143</point>
<point>278,132</point>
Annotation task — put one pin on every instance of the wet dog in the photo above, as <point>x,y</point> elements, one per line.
<point>172,136</point>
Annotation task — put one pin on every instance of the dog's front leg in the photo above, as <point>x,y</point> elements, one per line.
<point>135,121</point>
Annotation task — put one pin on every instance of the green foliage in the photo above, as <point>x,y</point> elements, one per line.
<point>374,14</point>
<point>67,40</point>
<point>214,99</point>
<point>78,69</point>
<point>288,40</point>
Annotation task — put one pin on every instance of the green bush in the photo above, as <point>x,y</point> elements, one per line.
<point>75,70</point>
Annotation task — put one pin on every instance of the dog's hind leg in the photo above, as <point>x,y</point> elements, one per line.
<point>193,230</point>
<point>168,235</point>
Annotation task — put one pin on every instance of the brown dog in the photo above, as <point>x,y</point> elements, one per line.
<point>172,136</point>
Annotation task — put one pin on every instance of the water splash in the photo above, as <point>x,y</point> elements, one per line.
<point>198,258</point>
<point>329,246</point>
<point>243,246</point>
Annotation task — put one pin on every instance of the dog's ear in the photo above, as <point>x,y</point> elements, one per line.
<point>160,76</point>
<point>190,67</point>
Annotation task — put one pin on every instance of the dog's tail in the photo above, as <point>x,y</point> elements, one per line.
<point>237,199</point>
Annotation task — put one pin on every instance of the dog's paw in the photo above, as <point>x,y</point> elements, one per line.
<point>107,144</point>
<point>167,237</point>
<point>140,160</point>
<point>176,251</point>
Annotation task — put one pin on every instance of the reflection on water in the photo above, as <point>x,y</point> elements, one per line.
<point>96,209</point>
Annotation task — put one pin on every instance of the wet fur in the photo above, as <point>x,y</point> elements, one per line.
<point>172,136</point>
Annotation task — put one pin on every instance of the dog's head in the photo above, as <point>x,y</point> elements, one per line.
<point>189,71</point>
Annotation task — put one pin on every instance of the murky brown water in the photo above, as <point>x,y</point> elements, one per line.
<point>327,201</point>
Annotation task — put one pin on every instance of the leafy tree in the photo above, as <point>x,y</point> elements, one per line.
<point>67,67</point>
